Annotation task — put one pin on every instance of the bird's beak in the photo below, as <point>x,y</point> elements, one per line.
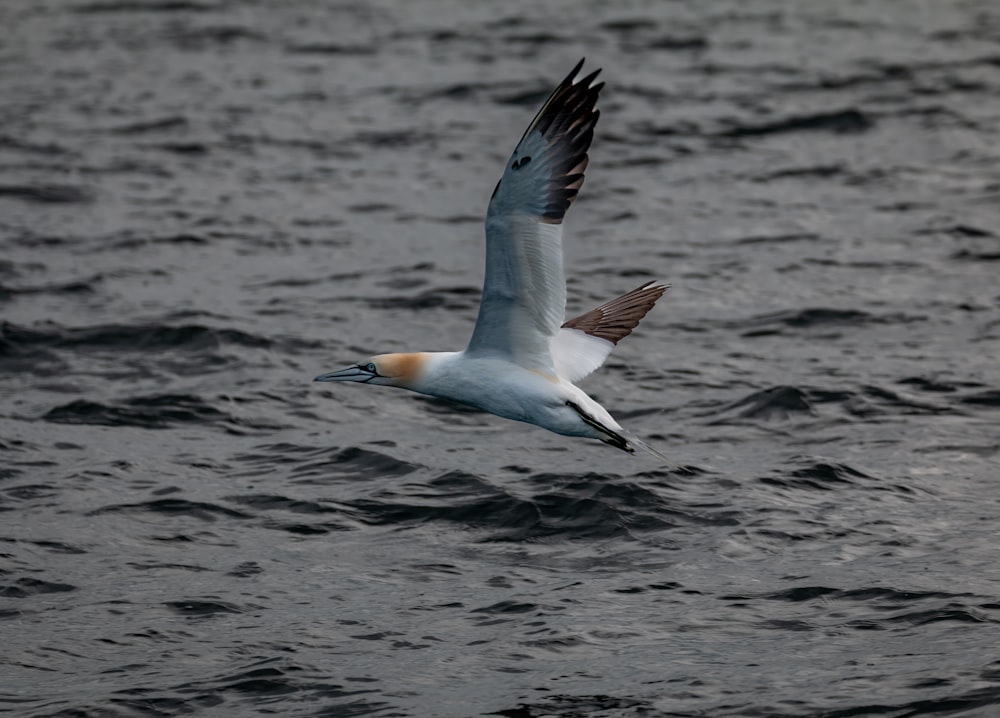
<point>354,373</point>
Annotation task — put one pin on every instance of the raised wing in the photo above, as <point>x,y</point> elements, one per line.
<point>524,292</point>
<point>584,342</point>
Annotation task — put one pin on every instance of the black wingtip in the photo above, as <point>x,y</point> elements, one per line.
<point>573,78</point>
<point>567,120</point>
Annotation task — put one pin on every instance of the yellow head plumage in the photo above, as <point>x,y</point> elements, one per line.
<point>402,369</point>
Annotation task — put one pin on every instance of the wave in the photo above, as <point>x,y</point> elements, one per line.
<point>314,464</point>
<point>24,587</point>
<point>864,403</point>
<point>836,121</point>
<point>201,510</point>
<point>158,411</point>
<point>138,337</point>
<point>141,349</point>
<point>48,193</point>
<point>566,508</point>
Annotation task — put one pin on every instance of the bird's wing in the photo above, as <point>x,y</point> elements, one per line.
<point>584,342</point>
<point>524,292</point>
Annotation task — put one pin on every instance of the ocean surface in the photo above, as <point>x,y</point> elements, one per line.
<point>206,203</point>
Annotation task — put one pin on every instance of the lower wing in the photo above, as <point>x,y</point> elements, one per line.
<point>584,342</point>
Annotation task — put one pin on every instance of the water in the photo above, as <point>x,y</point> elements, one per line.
<point>204,204</point>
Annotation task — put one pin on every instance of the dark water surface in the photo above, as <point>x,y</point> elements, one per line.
<point>205,203</point>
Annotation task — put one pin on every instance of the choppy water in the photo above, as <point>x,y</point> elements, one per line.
<point>204,204</point>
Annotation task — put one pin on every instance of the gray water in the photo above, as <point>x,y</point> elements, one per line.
<point>204,204</point>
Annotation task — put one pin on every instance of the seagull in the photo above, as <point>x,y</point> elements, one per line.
<point>523,361</point>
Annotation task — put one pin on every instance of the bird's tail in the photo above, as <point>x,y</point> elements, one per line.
<point>627,441</point>
<point>633,441</point>
<point>619,438</point>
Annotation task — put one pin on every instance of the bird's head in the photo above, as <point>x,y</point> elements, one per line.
<point>386,369</point>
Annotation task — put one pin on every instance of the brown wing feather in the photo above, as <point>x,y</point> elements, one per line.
<point>616,319</point>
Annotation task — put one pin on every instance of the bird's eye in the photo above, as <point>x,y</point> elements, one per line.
<point>371,367</point>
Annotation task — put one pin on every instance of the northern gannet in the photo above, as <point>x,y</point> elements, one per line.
<point>523,361</point>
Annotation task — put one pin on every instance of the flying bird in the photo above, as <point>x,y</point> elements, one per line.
<point>523,361</point>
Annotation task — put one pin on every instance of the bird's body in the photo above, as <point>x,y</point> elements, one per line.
<point>501,387</point>
<point>523,360</point>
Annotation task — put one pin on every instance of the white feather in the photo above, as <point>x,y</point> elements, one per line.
<point>577,354</point>
<point>524,291</point>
